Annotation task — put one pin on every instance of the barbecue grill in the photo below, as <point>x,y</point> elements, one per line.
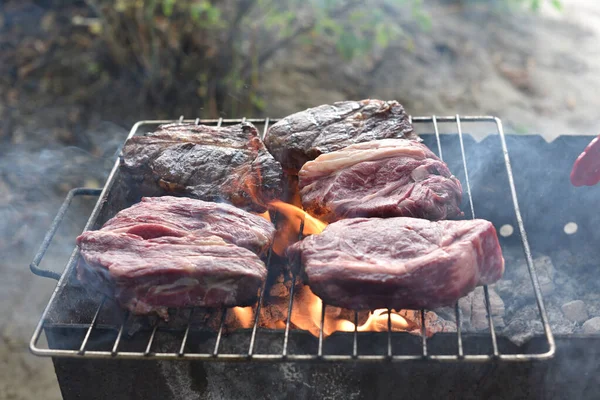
<point>80,327</point>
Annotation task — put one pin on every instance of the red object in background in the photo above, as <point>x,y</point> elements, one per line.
<point>586,170</point>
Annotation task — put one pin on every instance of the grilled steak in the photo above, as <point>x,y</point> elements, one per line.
<point>204,162</point>
<point>150,275</point>
<point>180,216</point>
<point>382,178</point>
<point>305,135</point>
<point>176,252</point>
<point>401,263</point>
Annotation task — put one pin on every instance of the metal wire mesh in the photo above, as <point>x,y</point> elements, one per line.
<point>354,354</point>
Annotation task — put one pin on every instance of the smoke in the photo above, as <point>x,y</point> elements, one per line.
<point>35,176</point>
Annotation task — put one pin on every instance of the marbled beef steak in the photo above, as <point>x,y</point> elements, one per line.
<point>180,216</point>
<point>305,135</point>
<point>400,263</point>
<point>177,252</point>
<point>381,178</point>
<point>210,163</point>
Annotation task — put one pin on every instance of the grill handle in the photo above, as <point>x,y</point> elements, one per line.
<point>35,264</point>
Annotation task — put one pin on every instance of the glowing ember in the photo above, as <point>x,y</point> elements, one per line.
<point>289,228</point>
<point>245,316</point>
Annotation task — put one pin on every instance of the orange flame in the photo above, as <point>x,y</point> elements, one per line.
<point>307,309</point>
<point>244,315</point>
<point>289,229</point>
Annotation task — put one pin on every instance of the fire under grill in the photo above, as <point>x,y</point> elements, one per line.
<point>78,324</point>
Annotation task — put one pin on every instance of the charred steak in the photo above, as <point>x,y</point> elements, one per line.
<point>305,135</point>
<point>176,252</point>
<point>205,162</point>
<point>401,263</point>
<point>382,178</point>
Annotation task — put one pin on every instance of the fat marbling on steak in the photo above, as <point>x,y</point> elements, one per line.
<point>180,216</point>
<point>177,252</point>
<point>305,135</point>
<point>381,178</point>
<point>210,163</point>
<point>400,263</point>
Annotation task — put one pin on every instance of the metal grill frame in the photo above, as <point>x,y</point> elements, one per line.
<point>251,355</point>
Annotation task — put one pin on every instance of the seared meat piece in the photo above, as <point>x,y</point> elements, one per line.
<point>180,216</point>
<point>401,263</point>
<point>177,252</point>
<point>382,178</point>
<point>150,275</point>
<point>305,135</point>
<point>205,162</point>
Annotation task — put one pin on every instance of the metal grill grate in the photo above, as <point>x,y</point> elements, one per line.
<point>217,354</point>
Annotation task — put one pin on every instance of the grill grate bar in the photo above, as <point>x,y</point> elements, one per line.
<point>389,333</point>
<point>532,274</point>
<point>220,334</point>
<point>259,306</point>
<point>147,352</point>
<point>286,334</point>
<point>437,137</point>
<point>464,160</point>
<point>459,342</point>
<point>488,310</point>
<point>423,334</point>
<point>46,323</point>
<point>186,333</point>
<point>92,325</point>
<point>264,286</point>
<point>291,303</point>
<point>355,336</point>
<point>485,289</point>
<point>121,329</point>
<point>320,350</point>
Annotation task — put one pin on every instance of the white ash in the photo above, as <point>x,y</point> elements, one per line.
<point>575,311</point>
<point>591,326</point>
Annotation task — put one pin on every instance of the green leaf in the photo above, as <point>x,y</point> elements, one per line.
<point>167,7</point>
<point>535,5</point>
<point>382,37</point>
<point>557,4</point>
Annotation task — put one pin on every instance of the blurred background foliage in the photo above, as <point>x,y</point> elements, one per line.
<point>216,49</point>
<point>209,54</point>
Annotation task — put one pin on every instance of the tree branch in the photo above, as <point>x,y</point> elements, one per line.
<point>300,30</point>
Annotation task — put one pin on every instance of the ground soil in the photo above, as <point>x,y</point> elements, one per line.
<point>538,73</point>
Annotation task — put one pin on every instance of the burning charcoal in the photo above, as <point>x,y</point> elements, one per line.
<point>592,326</point>
<point>575,311</point>
<point>525,323</point>
<point>519,287</point>
<point>433,322</point>
<point>474,312</point>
